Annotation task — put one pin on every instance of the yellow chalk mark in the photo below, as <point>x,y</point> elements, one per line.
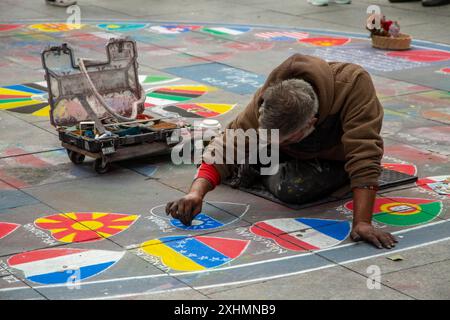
<point>127,218</point>
<point>96,215</point>
<point>57,230</point>
<point>44,112</point>
<point>68,238</point>
<point>46,220</point>
<point>217,107</point>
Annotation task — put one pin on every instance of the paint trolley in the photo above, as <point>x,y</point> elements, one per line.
<point>97,107</point>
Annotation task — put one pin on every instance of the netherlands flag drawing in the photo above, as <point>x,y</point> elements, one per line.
<point>302,234</point>
<point>59,266</point>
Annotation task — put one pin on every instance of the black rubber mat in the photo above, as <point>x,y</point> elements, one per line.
<point>388,179</point>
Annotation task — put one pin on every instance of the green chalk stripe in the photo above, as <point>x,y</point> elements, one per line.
<point>14,100</point>
<point>152,79</point>
<point>168,96</point>
<point>214,31</point>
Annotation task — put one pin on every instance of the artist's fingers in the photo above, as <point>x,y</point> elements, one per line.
<point>188,209</point>
<point>174,209</point>
<point>186,219</point>
<point>197,209</point>
<point>355,236</point>
<point>374,240</point>
<point>386,241</point>
<point>180,209</point>
<point>393,238</point>
<point>168,205</point>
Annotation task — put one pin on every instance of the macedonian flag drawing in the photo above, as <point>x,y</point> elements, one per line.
<point>85,226</point>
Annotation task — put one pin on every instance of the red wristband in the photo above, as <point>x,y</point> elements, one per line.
<point>210,173</point>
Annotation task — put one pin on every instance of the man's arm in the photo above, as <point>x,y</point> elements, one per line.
<point>362,118</point>
<point>363,202</point>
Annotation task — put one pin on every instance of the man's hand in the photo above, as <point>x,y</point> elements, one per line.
<point>367,232</point>
<point>186,208</point>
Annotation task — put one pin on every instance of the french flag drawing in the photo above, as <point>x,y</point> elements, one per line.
<point>59,266</point>
<point>303,234</point>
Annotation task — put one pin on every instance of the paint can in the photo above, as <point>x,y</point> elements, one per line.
<point>210,128</point>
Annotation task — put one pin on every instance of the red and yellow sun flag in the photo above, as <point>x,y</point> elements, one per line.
<point>326,41</point>
<point>85,226</point>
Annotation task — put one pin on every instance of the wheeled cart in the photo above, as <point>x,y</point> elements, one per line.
<point>98,106</point>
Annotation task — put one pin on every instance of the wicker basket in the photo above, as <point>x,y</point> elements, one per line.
<point>402,42</point>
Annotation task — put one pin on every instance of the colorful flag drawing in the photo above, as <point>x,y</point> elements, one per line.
<point>122,26</point>
<point>303,234</point>
<point>326,41</point>
<point>56,27</point>
<point>85,226</point>
<point>399,211</point>
<point>421,55</point>
<point>155,80</point>
<point>234,31</point>
<point>201,222</point>
<point>438,184</point>
<point>29,98</point>
<point>174,94</point>
<point>403,168</point>
<point>282,36</point>
<point>7,27</point>
<point>444,71</point>
<point>7,228</point>
<point>196,110</point>
<point>195,253</point>
<point>63,265</point>
<point>174,28</point>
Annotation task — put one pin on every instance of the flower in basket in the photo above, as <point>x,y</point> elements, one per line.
<point>385,28</point>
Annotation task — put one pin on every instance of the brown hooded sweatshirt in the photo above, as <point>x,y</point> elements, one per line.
<point>349,118</point>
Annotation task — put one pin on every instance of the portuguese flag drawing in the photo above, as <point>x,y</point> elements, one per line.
<point>401,211</point>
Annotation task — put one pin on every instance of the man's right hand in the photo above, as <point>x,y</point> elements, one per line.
<point>185,208</point>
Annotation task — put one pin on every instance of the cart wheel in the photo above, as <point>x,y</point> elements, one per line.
<point>100,166</point>
<point>75,157</point>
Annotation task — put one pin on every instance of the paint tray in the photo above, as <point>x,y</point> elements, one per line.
<point>116,79</point>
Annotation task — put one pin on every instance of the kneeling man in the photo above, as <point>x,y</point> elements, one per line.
<point>329,120</point>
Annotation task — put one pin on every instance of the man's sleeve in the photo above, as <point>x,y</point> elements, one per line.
<point>247,119</point>
<point>208,172</point>
<point>362,118</point>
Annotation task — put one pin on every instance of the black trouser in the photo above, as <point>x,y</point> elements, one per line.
<point>301,181</point>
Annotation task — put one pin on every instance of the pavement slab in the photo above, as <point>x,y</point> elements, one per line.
<point>328,284</point>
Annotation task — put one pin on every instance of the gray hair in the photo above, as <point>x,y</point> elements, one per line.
<point>288,106</point>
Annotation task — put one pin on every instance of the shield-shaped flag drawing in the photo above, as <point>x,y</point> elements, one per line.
<point>85,226</point>
<point>7,228</point>
<point>303,234</point>
<point>400,167</point>
<point>438,184</point>
<point>63,265</point>
<point>326,41</point>
<point>195,253</point>
<point>399,211</point>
